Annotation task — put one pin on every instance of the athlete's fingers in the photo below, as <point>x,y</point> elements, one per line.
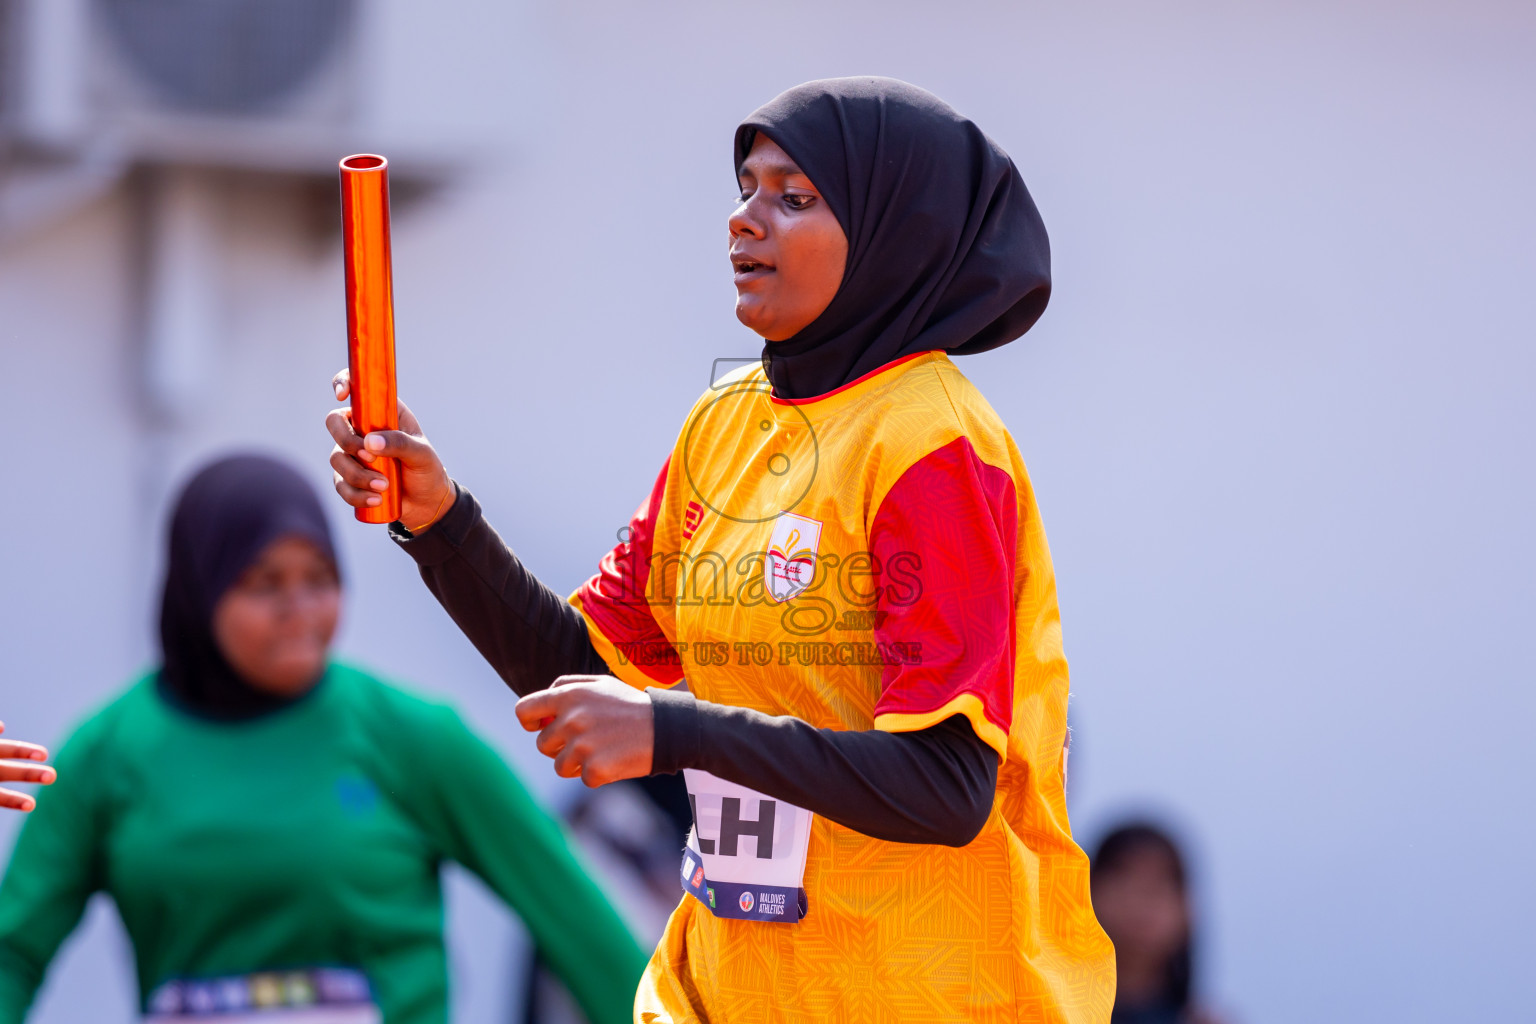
<point>354,496</point>
<point>19,767</point>
<point>597,772</point>
<point>408,421</point>
<point>537,710</point>
<point>339,423</point>
<point>412,450</point>
<point>360,495</point>
<point>19,771</point>
<point>552,739</point>
<point>594,727</point>
<point>355,473</point>
<point>25,751</point>
<point>571,761</point>
<point>341,384</point>
<point>560,720</point>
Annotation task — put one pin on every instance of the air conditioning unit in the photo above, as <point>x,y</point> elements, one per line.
<point>254,83</point>
<point>258,85</point>
<point>90,89</point>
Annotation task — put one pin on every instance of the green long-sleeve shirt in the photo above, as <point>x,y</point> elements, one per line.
<point>309,837</point>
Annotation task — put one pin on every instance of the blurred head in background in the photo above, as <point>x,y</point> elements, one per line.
<point>252,593</point>
<point>1141,898</point>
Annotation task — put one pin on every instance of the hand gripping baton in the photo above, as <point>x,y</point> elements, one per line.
<point>370,314</point>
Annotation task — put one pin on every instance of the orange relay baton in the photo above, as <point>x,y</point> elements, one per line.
<point>370,314</point>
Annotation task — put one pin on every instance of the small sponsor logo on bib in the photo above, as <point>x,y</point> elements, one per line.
<point>790,565</point>
<point>746,902</point>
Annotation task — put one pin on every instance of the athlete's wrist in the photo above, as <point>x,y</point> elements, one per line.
<point>416,523</point>
<point>676,726</point>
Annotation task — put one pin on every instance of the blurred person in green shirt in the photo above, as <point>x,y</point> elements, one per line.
<point>271,824</point>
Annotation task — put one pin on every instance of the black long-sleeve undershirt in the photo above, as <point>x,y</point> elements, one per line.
<point>933,785</point>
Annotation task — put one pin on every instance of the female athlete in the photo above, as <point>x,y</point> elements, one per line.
<point>843,558</point>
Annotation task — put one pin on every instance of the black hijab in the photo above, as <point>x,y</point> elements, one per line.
<point>945,247</point>
<point>227,514</point>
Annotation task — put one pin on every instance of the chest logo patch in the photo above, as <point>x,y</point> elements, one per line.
<point>790,565</point>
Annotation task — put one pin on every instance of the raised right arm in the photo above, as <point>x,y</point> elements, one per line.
<point>529,634</point>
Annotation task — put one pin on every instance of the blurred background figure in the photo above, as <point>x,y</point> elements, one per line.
<point>1141,897</point>
<point>269,823</point>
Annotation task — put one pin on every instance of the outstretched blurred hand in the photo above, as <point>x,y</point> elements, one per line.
<point>426,490</point>
<point>14,751</point>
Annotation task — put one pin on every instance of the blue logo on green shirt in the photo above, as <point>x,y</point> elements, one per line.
<point>357,795</point>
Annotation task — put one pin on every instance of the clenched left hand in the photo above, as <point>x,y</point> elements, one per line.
<point>595,727</point>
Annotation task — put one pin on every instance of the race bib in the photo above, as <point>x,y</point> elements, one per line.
<point>329,995</point>
<point>746,851</point>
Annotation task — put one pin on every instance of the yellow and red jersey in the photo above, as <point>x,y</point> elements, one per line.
<point>869,559</point>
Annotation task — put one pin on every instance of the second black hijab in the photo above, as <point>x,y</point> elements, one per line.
<point>226,516</point>
<point>945,247</point>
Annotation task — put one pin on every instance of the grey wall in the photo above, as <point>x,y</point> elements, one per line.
<point>1279,419</point>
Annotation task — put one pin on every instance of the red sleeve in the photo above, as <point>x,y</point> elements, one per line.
<point>945,539</point>
<point>615,603</point>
